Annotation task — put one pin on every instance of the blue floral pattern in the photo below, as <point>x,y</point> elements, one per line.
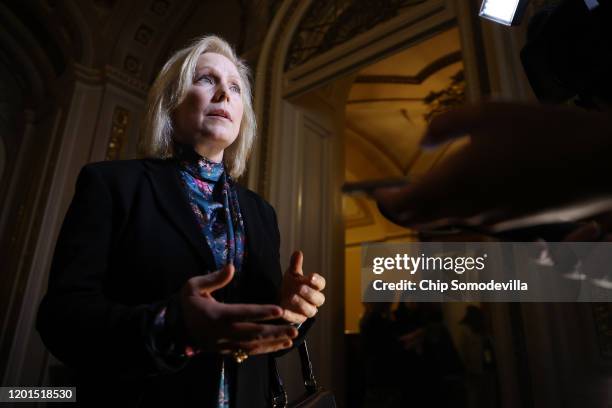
<point>215,205</point>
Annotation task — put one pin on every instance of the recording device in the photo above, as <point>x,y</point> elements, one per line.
<point>568,56</point>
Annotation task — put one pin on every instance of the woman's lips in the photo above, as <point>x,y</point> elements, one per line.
<point>221,114</point>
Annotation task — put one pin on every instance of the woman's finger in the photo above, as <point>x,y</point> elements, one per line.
<point>248,331</point>
<point>256,347</point>
<point>248,312</point>
<point>316,281</point>
<point>295,265</point>
<point>271,347</point>
<point>213,281</point>
<point>311,295</point>
<point>300,305</point>
<point>293,317</point>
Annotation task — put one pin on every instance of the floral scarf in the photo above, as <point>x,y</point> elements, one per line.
<point>214,202</point>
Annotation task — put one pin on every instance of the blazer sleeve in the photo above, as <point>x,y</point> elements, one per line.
<point>304,327</point>
<point>78,323</point>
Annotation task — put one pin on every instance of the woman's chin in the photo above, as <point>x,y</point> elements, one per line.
<point>214,141</point>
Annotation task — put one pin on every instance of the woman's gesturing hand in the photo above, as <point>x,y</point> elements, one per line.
<point>216,326</point>
<point>300,295</point>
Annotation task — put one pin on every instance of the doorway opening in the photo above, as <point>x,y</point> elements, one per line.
<point>388,108</point>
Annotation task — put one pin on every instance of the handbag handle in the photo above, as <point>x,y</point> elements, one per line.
<point>279,395</point>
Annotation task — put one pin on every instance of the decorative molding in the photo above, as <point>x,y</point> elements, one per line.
<point>116,141</point>
<point>143,34</point>
<point>264,150</point>
<point>417,79</point>
<point>87,75</point>
<point>112,75</point>
<point>126,81</point>
<point>328,24</point>
<point>132,64</point>
<point>367,48</point>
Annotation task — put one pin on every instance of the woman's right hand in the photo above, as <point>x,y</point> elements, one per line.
<point>225,328</point>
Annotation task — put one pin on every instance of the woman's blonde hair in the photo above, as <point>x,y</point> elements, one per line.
<point>169,89</point>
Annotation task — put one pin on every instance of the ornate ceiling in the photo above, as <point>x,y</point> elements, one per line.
<point>137,36</point>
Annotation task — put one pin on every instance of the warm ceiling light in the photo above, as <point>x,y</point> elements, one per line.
<point>507,12</point>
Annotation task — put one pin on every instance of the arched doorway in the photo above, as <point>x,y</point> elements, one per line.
<point>307,64</point>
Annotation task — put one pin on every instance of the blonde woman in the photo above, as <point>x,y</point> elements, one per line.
<point>166,287</point>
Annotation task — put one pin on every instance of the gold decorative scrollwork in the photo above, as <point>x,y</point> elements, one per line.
<point>451,96</point>
<point>121,118</point>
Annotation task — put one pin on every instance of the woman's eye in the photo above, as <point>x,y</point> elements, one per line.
<point>235,88</point>
<point>206,78</point>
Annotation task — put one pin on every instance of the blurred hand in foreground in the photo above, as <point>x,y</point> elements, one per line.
<point>519,158</point>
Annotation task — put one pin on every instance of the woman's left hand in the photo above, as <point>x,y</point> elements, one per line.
<point>300,295</point>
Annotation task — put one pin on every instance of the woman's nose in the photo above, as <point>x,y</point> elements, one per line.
<point>222,93</point>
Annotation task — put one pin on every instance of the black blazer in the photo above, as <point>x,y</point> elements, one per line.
<point>128,244</point>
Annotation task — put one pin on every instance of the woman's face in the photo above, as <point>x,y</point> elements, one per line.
<point>209,116</point>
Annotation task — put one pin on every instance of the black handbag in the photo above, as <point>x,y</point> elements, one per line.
<point>315,395</point>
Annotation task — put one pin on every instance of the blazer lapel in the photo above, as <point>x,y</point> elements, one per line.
<point>165,179</point>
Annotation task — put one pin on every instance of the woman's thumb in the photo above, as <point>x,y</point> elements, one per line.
<point>217,279</point>
<point>296,262</point>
